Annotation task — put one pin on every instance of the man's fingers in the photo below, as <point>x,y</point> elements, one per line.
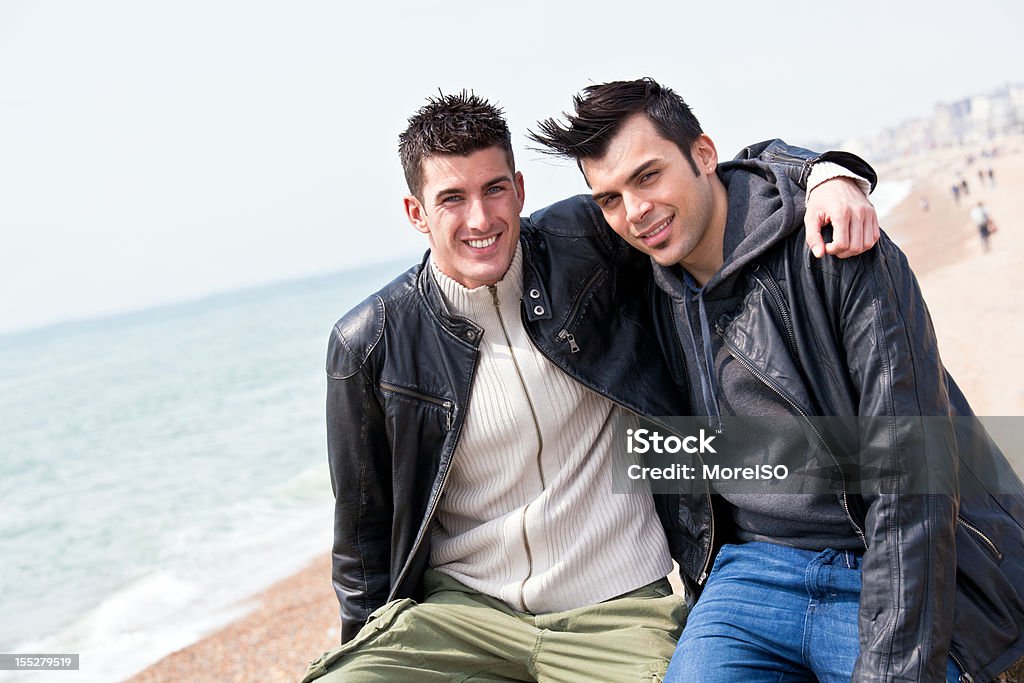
<point>854,221</point>
<point>865,222</point>
<point>840,233</point>
<point>856,232</point>
<point>869,234</point>
<point>812,233</point>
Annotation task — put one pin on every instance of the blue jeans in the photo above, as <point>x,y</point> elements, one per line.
<point>770,613</point>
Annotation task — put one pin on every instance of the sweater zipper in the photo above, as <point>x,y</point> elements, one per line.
<point>707,487</point>
<point>770,383</point>
<point>427,398</point>
<point>540,445</point>
<point>564,334</point>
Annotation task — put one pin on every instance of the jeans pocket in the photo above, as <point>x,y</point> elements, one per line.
<point>722,552</point>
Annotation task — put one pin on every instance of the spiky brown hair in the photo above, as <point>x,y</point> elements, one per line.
<point>457,124</point>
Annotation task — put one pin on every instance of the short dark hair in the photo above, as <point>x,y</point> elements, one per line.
<point>601,110</point>
<point>457,124</point>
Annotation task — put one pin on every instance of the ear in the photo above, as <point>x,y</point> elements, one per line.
<point>520,188</point>
<point>705,155</point>
<point>416,214</point>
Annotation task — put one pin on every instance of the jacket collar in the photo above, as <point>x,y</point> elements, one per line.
<point>534,293</point>
<point>462,301</point>
<point>463,328</point>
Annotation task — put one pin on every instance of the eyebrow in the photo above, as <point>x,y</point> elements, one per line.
<point>637,172</point>
<point>441,194</point>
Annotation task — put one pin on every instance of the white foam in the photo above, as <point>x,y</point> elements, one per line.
<point>887,196</point>
<point>207,587</point>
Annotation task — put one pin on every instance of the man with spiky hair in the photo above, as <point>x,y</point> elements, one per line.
<point>471,408</point>
<point>886,575</point>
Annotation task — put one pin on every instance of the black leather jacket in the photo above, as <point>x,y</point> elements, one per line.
<point>943,573</point>
<point>400,370</point>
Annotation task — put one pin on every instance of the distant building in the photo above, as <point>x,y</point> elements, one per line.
<point>975,119</point>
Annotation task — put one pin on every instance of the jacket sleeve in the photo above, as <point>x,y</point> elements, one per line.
<point>796,162</point>
<point>907,469</point>
<point>359,459</point>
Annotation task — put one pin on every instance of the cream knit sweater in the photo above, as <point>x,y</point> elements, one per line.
<point>528,515</point>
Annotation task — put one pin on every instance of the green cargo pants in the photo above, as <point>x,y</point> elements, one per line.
<point>457,634</point>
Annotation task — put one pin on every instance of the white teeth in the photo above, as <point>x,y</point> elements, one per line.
<point>480,244</point>
<point>659,230</point>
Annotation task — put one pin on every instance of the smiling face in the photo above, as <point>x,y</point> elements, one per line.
<point>650,195</point>
<point>470,213</point>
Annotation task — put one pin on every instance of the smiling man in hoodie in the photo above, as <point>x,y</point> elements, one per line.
<point>874,563</point>
<point>471,407</point>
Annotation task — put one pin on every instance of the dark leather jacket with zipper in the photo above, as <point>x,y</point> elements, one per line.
<point>400,371</point>
<point>935,502</point>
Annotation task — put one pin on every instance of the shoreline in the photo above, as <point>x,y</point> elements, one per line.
<point>272,642</point>
<point>975,309</point>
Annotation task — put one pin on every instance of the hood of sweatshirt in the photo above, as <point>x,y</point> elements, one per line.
<point>763,210</point>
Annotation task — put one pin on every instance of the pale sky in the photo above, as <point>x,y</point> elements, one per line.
<point>158,151</point>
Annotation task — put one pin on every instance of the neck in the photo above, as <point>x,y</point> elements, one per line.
<point>708,256</point>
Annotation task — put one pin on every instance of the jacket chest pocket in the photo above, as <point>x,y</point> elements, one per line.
<point>580,301</point>
<point>981,538</point>
<point>405,405</point>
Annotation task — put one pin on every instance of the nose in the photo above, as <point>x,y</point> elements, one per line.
<point>637,208</point>
<point>477,218</point>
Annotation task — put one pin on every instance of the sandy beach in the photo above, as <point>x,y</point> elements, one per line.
<point>977,307</point>
<point>974,297</point>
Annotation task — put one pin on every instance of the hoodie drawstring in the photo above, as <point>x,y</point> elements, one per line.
<point>708,387</point>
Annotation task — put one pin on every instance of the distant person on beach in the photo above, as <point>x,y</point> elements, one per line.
<point>956,192</point>
<point>471,406</point>
<point>895,557</point>
<point>983,221</point>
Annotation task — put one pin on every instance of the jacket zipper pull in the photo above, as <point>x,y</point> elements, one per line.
<point>564,336</point>
<point>494,295</point>
<point>448,414</point>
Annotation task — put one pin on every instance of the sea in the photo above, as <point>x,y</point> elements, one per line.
<point>160,468</point>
